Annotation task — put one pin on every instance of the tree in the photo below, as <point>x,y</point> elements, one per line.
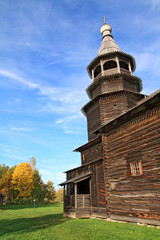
<point>3,169</point>
<point>50,191</point>
<point>33,163</point>
<point>6,184</point>
<point>59,195</point>
<point>39,191</point>
<point>23,181</point>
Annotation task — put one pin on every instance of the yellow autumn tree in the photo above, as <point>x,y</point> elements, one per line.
<point>6,184</point>
<point>23,181</point>
<point>59,195</point>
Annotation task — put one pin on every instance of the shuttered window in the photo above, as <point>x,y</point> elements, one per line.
<point>136,168</point>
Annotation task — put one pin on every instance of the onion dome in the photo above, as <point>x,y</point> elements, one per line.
<point>108,44</point>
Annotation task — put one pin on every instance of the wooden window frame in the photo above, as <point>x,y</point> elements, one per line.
<point>136,168</point>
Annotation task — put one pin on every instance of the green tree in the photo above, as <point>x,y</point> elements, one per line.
<point>3,169</point>
<point>50,191</point>
<point>39,191</point>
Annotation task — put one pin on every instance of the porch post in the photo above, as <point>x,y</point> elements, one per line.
<point>75,192</point>
<point>63,196</point>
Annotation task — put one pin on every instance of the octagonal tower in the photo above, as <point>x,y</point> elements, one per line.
<point>114,89</point>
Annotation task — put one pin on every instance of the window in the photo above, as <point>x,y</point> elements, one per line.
<point>97,71</point>
<point>123,65</point>
<point>109,65</point>
<point>136,168</point>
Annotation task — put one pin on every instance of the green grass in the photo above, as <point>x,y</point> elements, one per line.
<point>47,222</point>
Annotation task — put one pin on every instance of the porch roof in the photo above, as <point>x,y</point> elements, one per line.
<point>77,179</point>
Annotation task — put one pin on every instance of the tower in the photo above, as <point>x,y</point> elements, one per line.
<point>114,89</point>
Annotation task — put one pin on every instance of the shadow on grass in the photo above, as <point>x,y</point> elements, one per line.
<point>24,225</point>
<point>22,206</point>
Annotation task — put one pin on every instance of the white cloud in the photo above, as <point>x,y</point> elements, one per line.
<point>155,4</point>
<point>56,178</point>
<point>8,74</point>
<point>148,62</point>
<point>21,129</point>
<point>68,131</point>
<point>62,95</point>
<point>11,156</point>
<point>59,121</point>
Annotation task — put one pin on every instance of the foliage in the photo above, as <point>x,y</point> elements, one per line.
<point>23,181</point>
<point>59,195</point>
<point>47,222</point>
<point>3,169</point>
<point>39,191</point>
<point>50,191</point>
<point>6,184</point>
<point>33,163</point>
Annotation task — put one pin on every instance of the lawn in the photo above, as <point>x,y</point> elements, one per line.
<point>47,222</point>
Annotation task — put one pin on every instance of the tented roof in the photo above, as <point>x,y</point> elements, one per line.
<point>108,45</point>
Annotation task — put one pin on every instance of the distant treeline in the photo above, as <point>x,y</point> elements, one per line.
<point>23,183</point>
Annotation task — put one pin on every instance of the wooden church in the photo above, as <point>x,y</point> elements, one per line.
<point>119,176</point>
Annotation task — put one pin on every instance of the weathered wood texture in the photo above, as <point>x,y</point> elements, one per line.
<point>96,197</point>
<point>107,107</point>
<point>134,196</point>
<point>93,120</point>
<point>92,154</point>
<point>112,84</point>
<point>69,201</point>
<point>100,186</point>
<point>118,103</point>
<point>83,201</point>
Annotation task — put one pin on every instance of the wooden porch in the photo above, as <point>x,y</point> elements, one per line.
<point>82,201</point>
<point>77,206</point>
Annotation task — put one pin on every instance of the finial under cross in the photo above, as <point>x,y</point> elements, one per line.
<point>104,18</point>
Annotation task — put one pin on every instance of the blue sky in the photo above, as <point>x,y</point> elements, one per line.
<point>45,47</point>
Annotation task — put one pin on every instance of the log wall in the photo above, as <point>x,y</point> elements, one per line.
<point>115,83</point>
<point>98,191</point>
<point>108,107</point>
<point>92,154</point>
<point>134,196</point>
<point>93,120</point>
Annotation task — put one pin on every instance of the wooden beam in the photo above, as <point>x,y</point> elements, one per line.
<point>75,192</point>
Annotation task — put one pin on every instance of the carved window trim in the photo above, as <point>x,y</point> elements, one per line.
<point>136,168</point>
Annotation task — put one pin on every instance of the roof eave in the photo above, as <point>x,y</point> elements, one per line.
<point>139,104</point>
